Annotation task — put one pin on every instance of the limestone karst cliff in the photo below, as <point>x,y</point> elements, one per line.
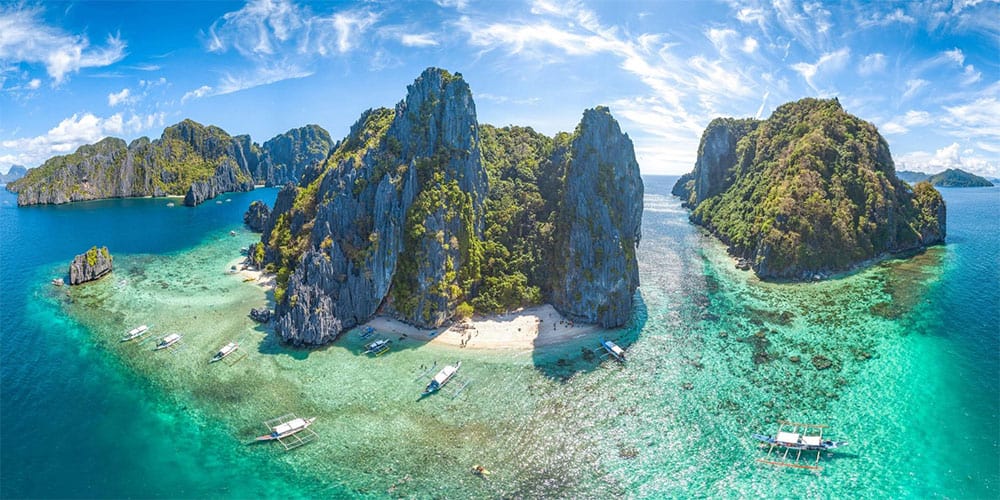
<point>811,190</point>
<point>395,220</point>
<point>90,265</point>
<point>189,159</point>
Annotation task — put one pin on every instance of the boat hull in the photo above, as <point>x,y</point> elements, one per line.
<point>823,446</point>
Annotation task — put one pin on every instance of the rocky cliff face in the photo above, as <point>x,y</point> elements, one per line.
<point>91,265</point>
<point>189,158</point>
<point>393,220</point>
<point>600,225</point>
<point>256,216</point>
<point>285,156</point>
<point>811,190</point>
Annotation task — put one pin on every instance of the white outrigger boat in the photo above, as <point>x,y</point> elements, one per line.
<point>135,333</point>
<point>286,429</point>
<point>226,350</point>
<point>616,352</point>
<point>441,379</point>
<point>377,347</point>
<point>799,438</point>
<point>168,341</point>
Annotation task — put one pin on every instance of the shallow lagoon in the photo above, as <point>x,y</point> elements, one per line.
<point>912,384</point>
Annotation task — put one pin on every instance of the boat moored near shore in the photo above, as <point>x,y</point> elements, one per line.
<point>135,333</point>
<point>226,350</point>
<point>442,378</point>
<point>168,341</point>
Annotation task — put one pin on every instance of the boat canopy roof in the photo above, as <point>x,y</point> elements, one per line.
<point>811,440</point>
<point>171,337</point>
<point>291,425</point>
<point>445,373</point>
<point>787,437</point>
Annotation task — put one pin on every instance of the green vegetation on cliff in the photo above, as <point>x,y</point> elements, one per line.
<point>810,189</point>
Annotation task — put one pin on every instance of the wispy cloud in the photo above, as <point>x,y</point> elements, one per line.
<point>284,41</point>
<point>25,38</point>
<point>913,86</point>
<point>902,124</point>
<point>827,63</point>
<point>872,64</point>
<point>485,96</point>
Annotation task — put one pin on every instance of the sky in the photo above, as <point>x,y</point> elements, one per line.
<point>927,74</point>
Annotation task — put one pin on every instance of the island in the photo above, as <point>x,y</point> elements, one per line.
<point>809,191</point>
<point>952,177</point>
<point>14,173</point>
<point>189,159</point>
<point>424,215</point>
<point>90,265</point>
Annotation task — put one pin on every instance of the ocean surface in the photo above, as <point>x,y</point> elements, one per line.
<point>714,356</point>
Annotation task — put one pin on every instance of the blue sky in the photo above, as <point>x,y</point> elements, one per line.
<point>926,73</point>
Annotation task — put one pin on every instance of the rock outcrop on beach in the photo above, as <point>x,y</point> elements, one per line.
<point>810,191</point>
<point>395,219</point>
<point>256,216</point>
<point>90,265</point>
<point>190,159</point>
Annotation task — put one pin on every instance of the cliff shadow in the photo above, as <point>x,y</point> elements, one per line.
<point>584,353</point>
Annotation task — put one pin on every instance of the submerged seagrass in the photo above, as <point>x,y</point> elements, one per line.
<point>810,190</point>
<point>418,213</point>
<point>190,159</point>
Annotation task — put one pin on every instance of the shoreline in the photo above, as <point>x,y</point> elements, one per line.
<point>521,330</point>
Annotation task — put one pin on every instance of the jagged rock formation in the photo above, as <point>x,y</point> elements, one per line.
<point>256,216</point>
<point>14,173</point>
<point>393,220</point>
<point>91,265</point>
<point>811,190</point>
<point>286,156</point>
<point>600,225</point>
<point>189,158</point>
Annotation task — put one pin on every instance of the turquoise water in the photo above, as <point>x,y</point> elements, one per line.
<point>913,383</point>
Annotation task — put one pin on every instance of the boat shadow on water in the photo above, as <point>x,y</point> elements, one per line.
<point>563,361</point>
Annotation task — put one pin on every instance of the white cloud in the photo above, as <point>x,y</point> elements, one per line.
<point>869,19</point>
<point>902,124</point>
<point>418,39</point>
<point>197,93</point>
<point>977,119</point>
<point>457,4</point>
<point>25,38</point>
<point>970,75</point>
<point>809,25</point>
<point>955,55</point>
<point>871,64</point>
<point>951,156</point>
<point>116,98</point>
<point>505,99</point>
<point>34,83</point>
<point>913,86</point>
<point>828,63</point>
<point>71,133</point>
<point>749,15</point>
<point>749,45</point>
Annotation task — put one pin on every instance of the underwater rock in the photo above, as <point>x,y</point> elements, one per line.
<point>261,315</point>
<point>821,362</point>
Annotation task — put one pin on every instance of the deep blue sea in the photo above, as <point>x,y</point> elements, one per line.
<point>915,384</point>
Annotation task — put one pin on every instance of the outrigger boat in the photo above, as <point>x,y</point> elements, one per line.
<point>168,341</point>
<point>135,333</point>
<point>441,378</point>
<point>378,347</point>
<point>286,429</point>
<point>225,351</point>
<point>800,437</point>
<point>616,352</point>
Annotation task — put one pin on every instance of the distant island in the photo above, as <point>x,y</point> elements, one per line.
<point>425,215</point>
<point>953,177</point>
<point>812,190</point>
<point>189,159</point>
<point>14,173</point>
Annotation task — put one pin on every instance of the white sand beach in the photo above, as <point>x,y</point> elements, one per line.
<point>524,329</point>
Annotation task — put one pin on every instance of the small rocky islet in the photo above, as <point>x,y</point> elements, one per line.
<point>810,191</point>
<point>91,265</point>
